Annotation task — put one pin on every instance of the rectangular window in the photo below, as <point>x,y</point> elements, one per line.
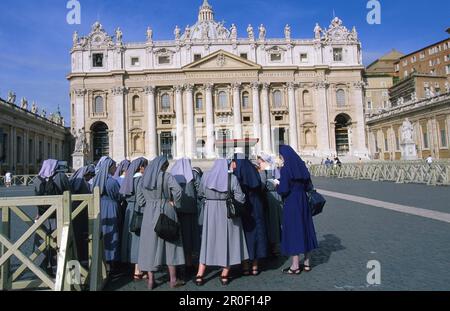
<point>275,57</point>
<point>247,119</point>
<point>337,54</point>
<point>163,60</point>
<point>425,140</point>
<point>369,105</point>
<point>97,60</point>
<point>197,57</point>
<point>386,144</point>
<point>200,120</point>
<point>303,58</point>
<point>135,61</point>
<point>279,118</point>
<point>397,143</point>
<point>244,55</point>
<point>444,143</point>
<point>166,122</point>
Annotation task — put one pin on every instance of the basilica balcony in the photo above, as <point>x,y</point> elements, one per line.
<point>166,113</point>
<point>276,111</point>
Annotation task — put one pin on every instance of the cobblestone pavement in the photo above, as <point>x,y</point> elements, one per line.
<point>413,251</point>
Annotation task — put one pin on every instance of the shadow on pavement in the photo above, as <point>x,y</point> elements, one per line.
<point>327,247</point>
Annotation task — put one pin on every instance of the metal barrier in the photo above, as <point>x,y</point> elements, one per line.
<point>22,180</point>
<point>61,241</point>
<point>436,174</point>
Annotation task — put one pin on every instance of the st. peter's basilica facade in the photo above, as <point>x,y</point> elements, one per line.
<point>182,97</point>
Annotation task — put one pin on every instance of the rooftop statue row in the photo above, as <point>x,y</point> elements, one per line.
<point>210,30</point>
<point>54,117</point>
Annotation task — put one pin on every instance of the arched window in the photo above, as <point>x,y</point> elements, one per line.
<point>340,98</point>
<point>165,102</point>
<point>223,100</point>
<point>138,144</point>
<point>98,105</point>
<point>277,99</point>
<point>199,102</point>
<point>245,100</point>
<point>136,105</point>
<point>307,99</point>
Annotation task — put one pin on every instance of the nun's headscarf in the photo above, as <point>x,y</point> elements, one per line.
<point>150,179</point>
<point>99,164</point>
<point>123,167</point>
<point>246,172</point>
<point>198,170</point>
<point>217,178</point>
<point>102,176</point>
<point>294,167</point>
<point>48,168</point>
<point>77,179</point>
<point>182,171</point>
<point>271,160</point>
<point>127,187</point>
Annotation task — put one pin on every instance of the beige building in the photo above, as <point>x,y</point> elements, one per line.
<point>28,138</point>
<point>181,96</point>
<point>433,59</point>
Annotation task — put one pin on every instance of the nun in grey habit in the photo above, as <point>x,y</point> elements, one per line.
<point>162,194</point>
<point>223,239</point>
<point>131,190</point>
<point>188,213</point>
<point>273,203</point>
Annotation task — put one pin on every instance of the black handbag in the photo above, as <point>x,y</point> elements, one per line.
<point>136,221</point>
<point>166,228</point>
<point>234,209</point>
<point>316,201</point>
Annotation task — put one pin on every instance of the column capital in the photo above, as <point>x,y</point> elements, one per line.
<point>265,86</point>
<point>209,87</point>
<point>189,88</point>
<point>150,90</point>
<point>291,86</point>
<point>255,86</point>
<point>178,88</point>
<point>322,85</point>
<point>359,85</point>
<point>119,90</point>
<point>80,92</point>
<point>236,86</point>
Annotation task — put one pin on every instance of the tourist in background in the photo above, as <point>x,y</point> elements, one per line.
<point>8,179</point>
<point>79,184</point>
<point>223,239</point>
<point>131,190</point>
<point>298,235</point>
<point>109,211</point>
<point>253,218</point>
<point>188,212</point>
<point>273,204</point>
<point>162,195</point>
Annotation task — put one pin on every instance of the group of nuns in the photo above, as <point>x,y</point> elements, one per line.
<point>275,218</point>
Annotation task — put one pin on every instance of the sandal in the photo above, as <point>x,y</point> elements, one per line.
<point>225,280</point>
<point>255,272</point>
<point>199,280</point>
<point>138,277</point>
<point>177,284</point>
<point>292,272</point>
<point>307,268</point>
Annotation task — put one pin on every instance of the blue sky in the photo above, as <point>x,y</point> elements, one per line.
<point>35,38</point>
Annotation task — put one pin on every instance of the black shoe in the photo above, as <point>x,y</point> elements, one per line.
<point>199,280</point>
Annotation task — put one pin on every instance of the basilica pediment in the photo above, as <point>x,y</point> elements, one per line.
<point>222,60</point>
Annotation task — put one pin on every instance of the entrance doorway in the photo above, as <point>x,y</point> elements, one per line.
<point>343,123</point>
<point>100,140</point>
<point>166,143</point>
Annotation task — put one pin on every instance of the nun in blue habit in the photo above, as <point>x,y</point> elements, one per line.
<point>188,213</point>
<point>79,184</point>
<point>162,194</point>
<point>131,191</point>
<point>109,209</point>
<point>121,171</point>
<point>298,234</point>
<point>253,218</point>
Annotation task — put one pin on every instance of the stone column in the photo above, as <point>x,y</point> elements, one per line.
<point>79,109</point>
<point>210,150</point>
<point>12,142</point>
<point>360,138</point>
<point>237,116</point>
<point>322,121</point>
<point>119,147</point>
<point>265,115</point>
<point>190,125</point>
<point>152,146</point>
<point>256,115</point>
<point>293,132</point>
<point>180,121</point>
